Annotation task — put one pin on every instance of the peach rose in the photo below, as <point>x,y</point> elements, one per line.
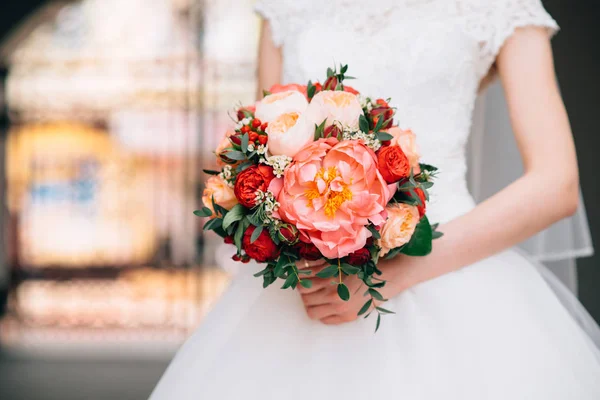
<point>223,144</point>
<point>399,227</point>
<point>339,106</point>
<point>276,104</point>
<point>289,133</point>
<point>407,141</point>
<point>331,192</point>
<point>223,194</point>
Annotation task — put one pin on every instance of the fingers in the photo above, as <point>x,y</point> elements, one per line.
<point>320,312</point>
<point>317,284</point>
<point>305,264</point>
<point>316,299</point>
<point>336,320</point>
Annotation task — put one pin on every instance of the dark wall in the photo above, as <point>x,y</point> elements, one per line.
<point>13,12</point>
<point>577,57</point>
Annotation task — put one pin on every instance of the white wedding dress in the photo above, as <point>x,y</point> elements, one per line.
<point>492,330</point>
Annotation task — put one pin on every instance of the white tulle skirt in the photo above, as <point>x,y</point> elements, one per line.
<point>493,330</point>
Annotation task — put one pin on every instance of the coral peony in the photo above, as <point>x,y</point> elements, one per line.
<point>331,192</point>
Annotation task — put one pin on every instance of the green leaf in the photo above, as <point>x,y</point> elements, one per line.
<point>328,272</point>
<point>245,139</point>
<point>420,243</point>
<point>365,307</point>
<point>204,212</point>
<point>213,224</point>
<point>428,168</point>
<point>311,90</point>
<point>211,172</point>
<point>378,126</point>
<point>350,269</point>
<point>376,295</point>
<point>306,283</point>
<point>292,279</point>
<point>235,155</point>
<point>383,136</point>
<point>257,231</point>
<point>393,253</point>
<point>266,93</point>
<point>343,69</point>
<point>280,266</point>
<point>329,72</point>
<point>374,232</point>
<point>383,310</point>
<point>343,292</point>
<point>436,235</point>
<point>363,124</point>
<point>319,130</point>
<point>235,214</point>
<point>378,322</point>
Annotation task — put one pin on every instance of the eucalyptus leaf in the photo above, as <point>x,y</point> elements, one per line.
<point>211,172</point>
<point>234,215</point>
<point>213,224</point>
<point>328,272</point>
<point>365,307</point>
<point>363,124</point>
<point>245,139</point>
<point>374,232</point>
<point>378,322</point>
<point>383,136</point>
<point>343,292</point>
<point>376,295</point>
<point>235,155</point>
<point>306,283</point>
<point>383,310</point>
<point>349,269</point>
<point>291,280</point>
<point>257,231</point>
<point>204,212</point>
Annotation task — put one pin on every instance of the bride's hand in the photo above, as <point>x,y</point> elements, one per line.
<point>322,302</point>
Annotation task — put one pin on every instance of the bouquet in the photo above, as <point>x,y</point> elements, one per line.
<point>319,171</point>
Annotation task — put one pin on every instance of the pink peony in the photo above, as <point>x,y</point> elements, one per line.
<point>331,192</point>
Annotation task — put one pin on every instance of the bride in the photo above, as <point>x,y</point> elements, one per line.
<point>474,320</point>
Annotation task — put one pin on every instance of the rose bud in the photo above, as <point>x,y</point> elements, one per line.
<point>288,233</point>
<point>382,103</point>
<point>422,207</point>
<point>249,181</point>
<point>333,131</point>
<point>359,257</point>
<point>382,112</point>
<point>245,112</point>
<point>318,87</point>
<point>228,239</point>
<point>236,139</point>
<point>264,126</point>
<point>308,251</point>
<point>331,83</point>
<point>256,123</point>
<point>350,89</point>
<point>263,248</point>
<point>393,164</point>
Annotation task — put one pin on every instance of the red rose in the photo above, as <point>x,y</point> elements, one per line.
<point>359,257</point>
<point>386,113</point>
<point>350,89</point>
<point>308,251</point>
<point>333,131</point>
<point>422,208</point>
<point>382,103</point>
<point>288,233</point>
<point>331,83</point>
<point>393,164</point>
<point>246,112</point>
<point>263,248</point>
<point>249,181</point>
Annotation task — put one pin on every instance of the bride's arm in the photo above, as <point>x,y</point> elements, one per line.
<point>548,189</point>
<point>269,60</point>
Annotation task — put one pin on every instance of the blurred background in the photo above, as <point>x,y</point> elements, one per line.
<point>109,109</point>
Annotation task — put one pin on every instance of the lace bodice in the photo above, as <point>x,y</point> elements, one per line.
<point>429,56</point>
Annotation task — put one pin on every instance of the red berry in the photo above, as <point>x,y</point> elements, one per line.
<point>245,129</point>
<point>256,123</point>
<point>263,139</point>
<point>264,126</point>
<point>253,136</point>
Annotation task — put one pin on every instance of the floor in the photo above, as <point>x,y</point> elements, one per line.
<point>29,379</point>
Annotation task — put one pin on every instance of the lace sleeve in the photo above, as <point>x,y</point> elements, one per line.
<point>503,18</point>
<point>274,11</point>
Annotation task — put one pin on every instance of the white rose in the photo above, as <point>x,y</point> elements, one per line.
<point>276,104</point>
<point>339,106</point>
<point>289,133</point>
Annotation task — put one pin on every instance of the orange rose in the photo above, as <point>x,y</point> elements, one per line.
<point>249,181</point>
<point>399,227</point>
<point>393,164</point>
<point>223,144</point>
<point>218,189</point>
<point>407,141</point>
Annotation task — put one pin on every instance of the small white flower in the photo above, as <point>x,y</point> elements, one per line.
<point>245,121</point>
<point>279,164</point>
<point>250,147</point>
